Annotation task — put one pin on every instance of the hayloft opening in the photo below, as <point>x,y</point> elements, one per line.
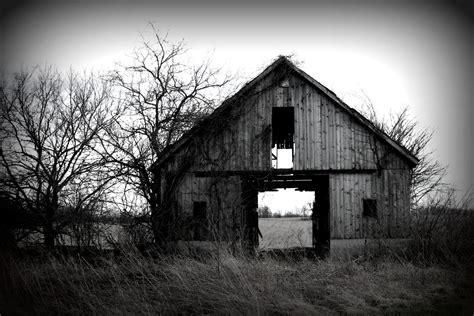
<point>283,129</point>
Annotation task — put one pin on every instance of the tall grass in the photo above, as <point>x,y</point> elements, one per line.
<point>134,284</point>
<point>434,272</point>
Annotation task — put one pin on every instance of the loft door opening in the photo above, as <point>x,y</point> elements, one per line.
<point>283,144</point>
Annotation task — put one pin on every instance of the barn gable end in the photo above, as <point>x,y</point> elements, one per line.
<point>215,161</point>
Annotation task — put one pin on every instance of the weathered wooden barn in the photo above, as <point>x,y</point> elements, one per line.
<point>284,129</point>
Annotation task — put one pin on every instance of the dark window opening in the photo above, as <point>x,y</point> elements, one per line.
<point>199,221</point>
<point>283,129</point>
<point>369,208</point>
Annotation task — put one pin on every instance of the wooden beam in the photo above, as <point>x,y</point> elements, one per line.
<point>279,172</point>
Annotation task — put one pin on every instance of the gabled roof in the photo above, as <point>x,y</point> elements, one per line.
<point>283,61</point>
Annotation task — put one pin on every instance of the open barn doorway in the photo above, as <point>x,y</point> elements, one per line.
<point>311,187</point>
<point>285,218</point>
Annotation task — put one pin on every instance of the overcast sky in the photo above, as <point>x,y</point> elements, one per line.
<point>416,54</point>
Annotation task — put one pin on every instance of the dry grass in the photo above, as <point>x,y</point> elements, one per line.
<point>285,232</point>
<point>433,274</point>
<point>133,284</point>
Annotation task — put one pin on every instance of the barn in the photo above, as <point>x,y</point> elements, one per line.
<point>284,129</point>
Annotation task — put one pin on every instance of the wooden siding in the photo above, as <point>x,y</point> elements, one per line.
<point>326,137</point>
<point>222,196</point>
<point>389,189</point>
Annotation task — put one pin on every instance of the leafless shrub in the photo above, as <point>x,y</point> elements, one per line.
<point>444,230</point>
<point>137,230</point>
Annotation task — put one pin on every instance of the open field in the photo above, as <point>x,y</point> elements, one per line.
<point>280,233</point>
<point>285,232</point>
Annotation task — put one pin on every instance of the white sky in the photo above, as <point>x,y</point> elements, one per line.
<point>399,53</point>
<point>285,200</point>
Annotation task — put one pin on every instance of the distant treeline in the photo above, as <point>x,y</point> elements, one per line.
<point>265,212</point>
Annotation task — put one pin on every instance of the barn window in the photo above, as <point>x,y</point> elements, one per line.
<point>369,208</point>
<point>199,221</point>
<point>283,129</point>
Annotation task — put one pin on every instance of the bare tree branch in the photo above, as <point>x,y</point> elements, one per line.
<point>162,96</point>
<point>427,177</point>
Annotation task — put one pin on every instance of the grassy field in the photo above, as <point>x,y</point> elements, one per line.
<point>434,274</point>
<point>281,233</point>
<point>285,232</point>
<point>225,284</point>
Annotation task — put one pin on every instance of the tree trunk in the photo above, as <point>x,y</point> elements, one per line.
<point>7,239</point>
<point>49,234</point>
<point>161,224</point>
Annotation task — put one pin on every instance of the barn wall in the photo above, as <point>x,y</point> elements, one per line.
<point>389,188</point>
<point>326,137</point>
<point>222,196</point>
<point>239,140</point>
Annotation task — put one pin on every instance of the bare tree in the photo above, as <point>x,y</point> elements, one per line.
<point>264,212</point>
<point>427,176</point>
<point>50,134</point>
<point>162,96</point>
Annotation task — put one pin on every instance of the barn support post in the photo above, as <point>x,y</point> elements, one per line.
<point>250,216</point>
<point>320,216</point>
<point>155,205</point>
